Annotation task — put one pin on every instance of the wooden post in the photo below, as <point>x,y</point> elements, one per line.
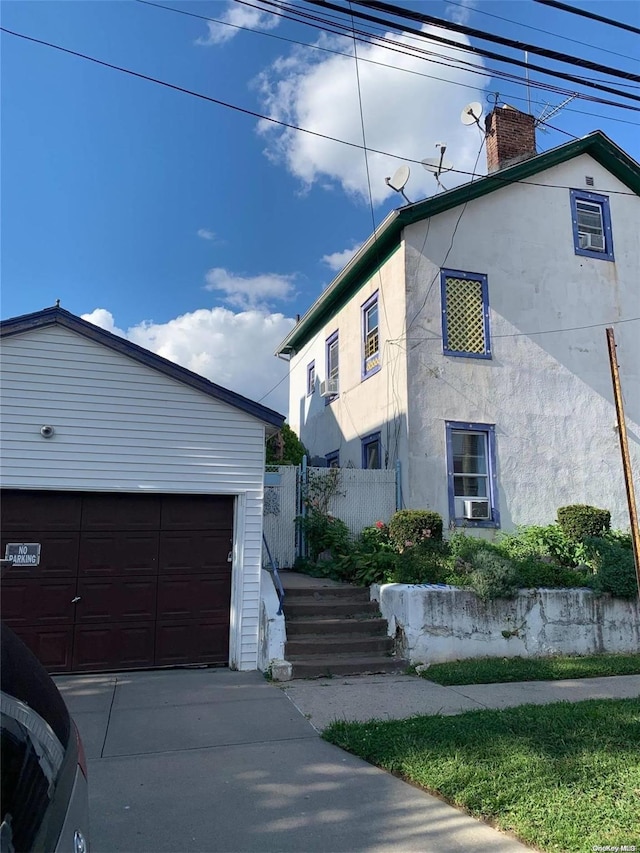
<point>624,449</point>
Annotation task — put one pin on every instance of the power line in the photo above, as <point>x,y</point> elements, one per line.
<point>538,30</point>
<point>487,53</point>
<point>270,119</point>
<point>484,72</point>
<point>583,13</point>
<point>515,44</point>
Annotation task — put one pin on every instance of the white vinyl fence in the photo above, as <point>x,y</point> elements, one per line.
<point>362,498</point>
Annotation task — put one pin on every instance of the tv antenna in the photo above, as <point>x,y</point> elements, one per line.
<point>399,180</point>
<point>472,114</point>
<point>548,111</point>
<point>438,165</point>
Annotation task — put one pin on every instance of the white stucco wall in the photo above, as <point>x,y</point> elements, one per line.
<point>548,392</point>
<point>124,427</point>
<point>547,388</point>
<point>436,625</point>
<point>377,403</point>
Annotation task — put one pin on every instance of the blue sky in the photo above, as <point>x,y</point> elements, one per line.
<point>200,232</point>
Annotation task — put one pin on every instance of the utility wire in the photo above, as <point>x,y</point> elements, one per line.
<point>484,72</point>
<point>583,13</point>
<point>538,30</point>
<point>482,52</point>
<point>275,121</point>
<point>515,44</point>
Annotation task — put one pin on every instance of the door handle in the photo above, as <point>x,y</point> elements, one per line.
<point>77,598</point>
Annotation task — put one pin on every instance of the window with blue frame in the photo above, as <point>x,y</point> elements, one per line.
<point>372,451</point>
<point>591,219</point>
<point>311,378</point>
<point>370,337</point>
<point>471,472</point>
<point>465,314</point>
<point>333,368</point>
<point>333,459</point>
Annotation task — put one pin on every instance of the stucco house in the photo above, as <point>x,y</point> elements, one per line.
<point>131,504</point>
<point>466,338</point>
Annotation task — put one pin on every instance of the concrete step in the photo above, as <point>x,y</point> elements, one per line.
<point>328,593</point>
<point>317,667</point>
<point>303,647</point>
<point>310,625</point>
<point>298,609</point>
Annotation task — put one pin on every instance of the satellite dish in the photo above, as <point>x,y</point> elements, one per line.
<point>472,113</point>
<point>399,179</point>
<point>437,165</point>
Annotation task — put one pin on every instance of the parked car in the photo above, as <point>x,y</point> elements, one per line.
<point>44,799</point>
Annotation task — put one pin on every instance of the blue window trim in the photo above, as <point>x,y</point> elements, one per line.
<point>334,456</point>
<point>374,438</point>
<point>485,312</point>
<point>603,201</point>
<point>365,374</point>
<point>490,430</point>
<point>328,342</point>
<point>311,387</point>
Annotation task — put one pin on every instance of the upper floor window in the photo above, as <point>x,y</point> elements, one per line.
<point>371,451</point>
<point>471,469</point>
<point>465,314</point>
<point>333,459</point>
<point>311,377</point>
<point>370,337</point>
<point>591,219</point>
<point>333,369</point>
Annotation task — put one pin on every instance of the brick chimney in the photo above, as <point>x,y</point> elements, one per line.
<point>511,137</point>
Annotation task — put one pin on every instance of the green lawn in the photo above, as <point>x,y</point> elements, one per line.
<point>492,670</point>
<point>562,777</point>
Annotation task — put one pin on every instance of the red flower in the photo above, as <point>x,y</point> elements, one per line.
<point>379,524</point>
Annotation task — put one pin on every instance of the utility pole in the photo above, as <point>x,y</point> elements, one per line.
<point>624,449</point>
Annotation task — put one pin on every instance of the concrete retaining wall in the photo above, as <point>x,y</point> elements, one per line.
<point>435,624</point>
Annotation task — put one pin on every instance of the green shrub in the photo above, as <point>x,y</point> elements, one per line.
<point>463,547</point>
<point>408,527</point>
<point>375,538</point>
<point>614,568</point>
<point>422,563</point>
<point>492,575</point>
<point>542,544</point>
<point>580,521</point>
<point>325,533</point>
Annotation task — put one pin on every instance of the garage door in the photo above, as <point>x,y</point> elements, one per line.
<point>124,581</point>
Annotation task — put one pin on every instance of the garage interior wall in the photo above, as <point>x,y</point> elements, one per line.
<point>120,426</point>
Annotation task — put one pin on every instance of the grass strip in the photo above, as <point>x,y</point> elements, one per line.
<point>561,777</point>
<point>494,670</point>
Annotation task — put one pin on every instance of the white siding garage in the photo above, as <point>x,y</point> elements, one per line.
<point>127,422</point>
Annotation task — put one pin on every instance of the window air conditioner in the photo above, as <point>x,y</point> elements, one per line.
<point>477,510</point>
<point>595,242</point>
<point>329,388</point>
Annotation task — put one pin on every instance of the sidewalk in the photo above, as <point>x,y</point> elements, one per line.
<point>395,697</point>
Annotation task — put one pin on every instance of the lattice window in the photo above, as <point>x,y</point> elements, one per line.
<point>465,314</point>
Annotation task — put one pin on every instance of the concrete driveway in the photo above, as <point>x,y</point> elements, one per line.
<point>212,760</point>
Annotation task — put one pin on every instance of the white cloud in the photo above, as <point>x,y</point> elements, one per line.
<point>206,234</point>
<point>238,16</point>
<point>337,260</point>
<point>461,14</point>
<point>233,350</point>
<point>256,292</point>
<point>404,114</point>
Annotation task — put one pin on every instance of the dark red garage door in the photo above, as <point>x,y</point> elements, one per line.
<point>124,581</point>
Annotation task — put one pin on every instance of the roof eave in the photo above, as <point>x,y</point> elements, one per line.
<point>382,241</point>
<point>60,317</point>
